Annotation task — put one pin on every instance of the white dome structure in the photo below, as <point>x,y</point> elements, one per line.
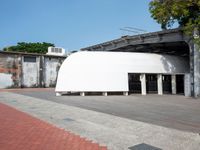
<point>108,71</point>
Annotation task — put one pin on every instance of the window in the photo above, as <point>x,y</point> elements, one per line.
<point>29,59</point>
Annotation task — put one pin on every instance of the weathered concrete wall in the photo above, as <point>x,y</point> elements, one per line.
<point>30,71</point>
<point>24,70</point>
<point>51,66</point>
<point>10,71</point>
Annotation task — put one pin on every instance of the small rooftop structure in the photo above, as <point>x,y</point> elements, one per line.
<point>58,51</point>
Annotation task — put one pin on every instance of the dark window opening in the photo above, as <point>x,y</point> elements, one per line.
<point>151,83</point>
<point>180,84</point>
<point>29,59</point>
<point>167,84</point>
<point>134,83</point>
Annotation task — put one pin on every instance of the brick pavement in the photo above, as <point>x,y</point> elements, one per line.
<point>20,131</point>
<point>26,89</point>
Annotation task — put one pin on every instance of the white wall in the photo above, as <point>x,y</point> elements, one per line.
<point>108,71</point>
<point>5,80</point>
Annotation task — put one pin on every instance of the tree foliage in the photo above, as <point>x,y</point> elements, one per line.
<point>185,12</point>
<point>41,48</point>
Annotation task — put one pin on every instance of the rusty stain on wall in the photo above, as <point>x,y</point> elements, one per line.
<point>24,70</point>
<point>9,71</point>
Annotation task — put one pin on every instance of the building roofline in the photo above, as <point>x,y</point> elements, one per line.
<point>31,54</point>
<point>129,37</point>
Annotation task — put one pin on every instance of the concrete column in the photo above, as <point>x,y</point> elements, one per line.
<point>41,71</point>
<point>159,84</point>
<point>173,84</point>
<point>82,93</point>
<point>143,84</point>
<point>196,65</point>
<point>20,73</point>
<point>105,94</point>
<point>187,85</point>
<point>125,93</point>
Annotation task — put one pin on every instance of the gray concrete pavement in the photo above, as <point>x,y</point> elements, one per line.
<point>172,111</point>
<point>116,132</point>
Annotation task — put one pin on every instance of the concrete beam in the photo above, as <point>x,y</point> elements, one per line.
<point>125,93</point>
<point>173,82</point>
<point>159,84</point>
<point>143,84</point>
<point>187,90</point>
<point>82,93</point>
<point>105,93</point>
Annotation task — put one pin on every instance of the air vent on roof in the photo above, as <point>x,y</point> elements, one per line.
<point>56,51</point>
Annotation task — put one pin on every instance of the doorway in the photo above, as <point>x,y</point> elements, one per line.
<point>180,84</point>
<point>151,83</point>
<point>167,84</point>
<point>134,83</point>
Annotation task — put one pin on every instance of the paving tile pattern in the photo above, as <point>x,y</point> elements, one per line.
<point>20,131</point>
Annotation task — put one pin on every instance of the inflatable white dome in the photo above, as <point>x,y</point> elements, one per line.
<point>108,71</point>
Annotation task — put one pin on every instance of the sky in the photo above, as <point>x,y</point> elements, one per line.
<point>71,24</point>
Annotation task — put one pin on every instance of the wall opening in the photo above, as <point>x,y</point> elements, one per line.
<point>151,83</point>
<point>180,84</point>
<point>31,59</point>
<point>134,83</point>
<point>167,84</point>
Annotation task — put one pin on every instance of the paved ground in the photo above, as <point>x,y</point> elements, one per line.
<point>19,131</point>
<point>176,112</point>
<point>115,131</point>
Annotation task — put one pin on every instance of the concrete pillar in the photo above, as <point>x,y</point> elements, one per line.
<point>41,71</point>
<point>105,94</point>
<point>20,73</point>
<point>173,84</point>
<point>194,66</point>
<point>82,93</point>
<point>159,84</point>
<point>143,84</point>
<point>187,85</point>
<point>125,93</point>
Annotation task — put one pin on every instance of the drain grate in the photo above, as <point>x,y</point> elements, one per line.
<point>68,119</point>
<point>143,146</point>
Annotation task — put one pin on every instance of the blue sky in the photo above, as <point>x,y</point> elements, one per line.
<point>72,24</point>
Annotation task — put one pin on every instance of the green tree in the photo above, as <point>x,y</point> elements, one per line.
<point>185,12</point>
<point>41,48</point>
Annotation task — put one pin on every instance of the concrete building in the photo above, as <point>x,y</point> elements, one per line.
<point>171,42</point>
<point>18,70</point>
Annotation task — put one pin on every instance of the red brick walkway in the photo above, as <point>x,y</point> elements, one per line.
<point>20,131</point>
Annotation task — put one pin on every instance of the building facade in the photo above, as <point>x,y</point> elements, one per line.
<point>20,70</point>
<point>171,42</point>
<point>126,72</point>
